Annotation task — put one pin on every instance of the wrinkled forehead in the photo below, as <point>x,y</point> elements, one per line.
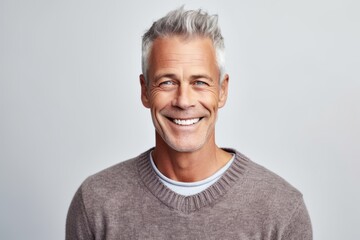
<point>175,55</point>
<point>183,38</point>
<point>179,48</point>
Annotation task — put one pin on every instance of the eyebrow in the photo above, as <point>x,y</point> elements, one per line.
<point>174,76</point>
<point>202,76</point>
<point>166,75</point>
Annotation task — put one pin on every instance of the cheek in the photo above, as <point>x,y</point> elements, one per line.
<point>159,99</point>
<point>209,99</point>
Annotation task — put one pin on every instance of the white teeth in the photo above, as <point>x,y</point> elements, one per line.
<point>186,122</point>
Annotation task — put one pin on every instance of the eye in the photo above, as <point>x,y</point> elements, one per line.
<point>200,83</point>
<point>167,83</point>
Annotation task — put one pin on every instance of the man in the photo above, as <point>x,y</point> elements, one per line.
<point>186,187</point>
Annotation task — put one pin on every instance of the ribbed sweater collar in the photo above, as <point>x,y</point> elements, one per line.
<point>191,203</point>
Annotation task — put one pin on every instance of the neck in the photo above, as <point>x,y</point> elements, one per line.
<point>189,166</point>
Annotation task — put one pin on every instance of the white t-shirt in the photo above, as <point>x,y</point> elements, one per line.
<point>190,188</point>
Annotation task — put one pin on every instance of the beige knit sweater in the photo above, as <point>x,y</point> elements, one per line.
<point>128,201</point>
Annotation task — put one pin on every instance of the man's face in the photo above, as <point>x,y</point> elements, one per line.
<point>183,92</point>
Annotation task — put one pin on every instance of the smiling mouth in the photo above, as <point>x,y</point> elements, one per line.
<point>185,122</point>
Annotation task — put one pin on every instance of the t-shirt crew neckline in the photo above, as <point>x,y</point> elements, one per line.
<point>190,188</point>
<point>191,203</point>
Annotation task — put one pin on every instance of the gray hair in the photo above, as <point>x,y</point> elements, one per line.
<point>188,24</point>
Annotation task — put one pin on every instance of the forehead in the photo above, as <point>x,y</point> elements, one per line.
<point>179,40</point>
<point>177,50</point>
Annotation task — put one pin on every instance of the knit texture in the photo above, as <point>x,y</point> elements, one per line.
<point>128,201</point>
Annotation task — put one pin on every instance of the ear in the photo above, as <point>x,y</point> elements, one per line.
<point>144,92</point>
<point>223,91</point>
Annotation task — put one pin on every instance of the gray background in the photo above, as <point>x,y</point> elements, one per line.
<point>70,101</point>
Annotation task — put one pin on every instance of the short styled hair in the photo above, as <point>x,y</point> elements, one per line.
<point>188,24</point>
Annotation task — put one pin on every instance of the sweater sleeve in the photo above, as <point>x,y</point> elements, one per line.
<point>77,225</point>
<point>299,227</point>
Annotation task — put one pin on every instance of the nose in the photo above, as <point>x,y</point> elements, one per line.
<point>184,97</point>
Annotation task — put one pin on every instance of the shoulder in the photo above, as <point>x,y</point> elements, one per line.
<point>271,200</point>
<point>269,179</point>
<point>115,181</point>
<point>264,178</point>
<point>100,194</point>
<point>268,190</point>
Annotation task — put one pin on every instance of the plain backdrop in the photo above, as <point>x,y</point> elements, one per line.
<point>70,101</point>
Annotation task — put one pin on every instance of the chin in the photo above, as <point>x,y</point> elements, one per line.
<point>185,148</point>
